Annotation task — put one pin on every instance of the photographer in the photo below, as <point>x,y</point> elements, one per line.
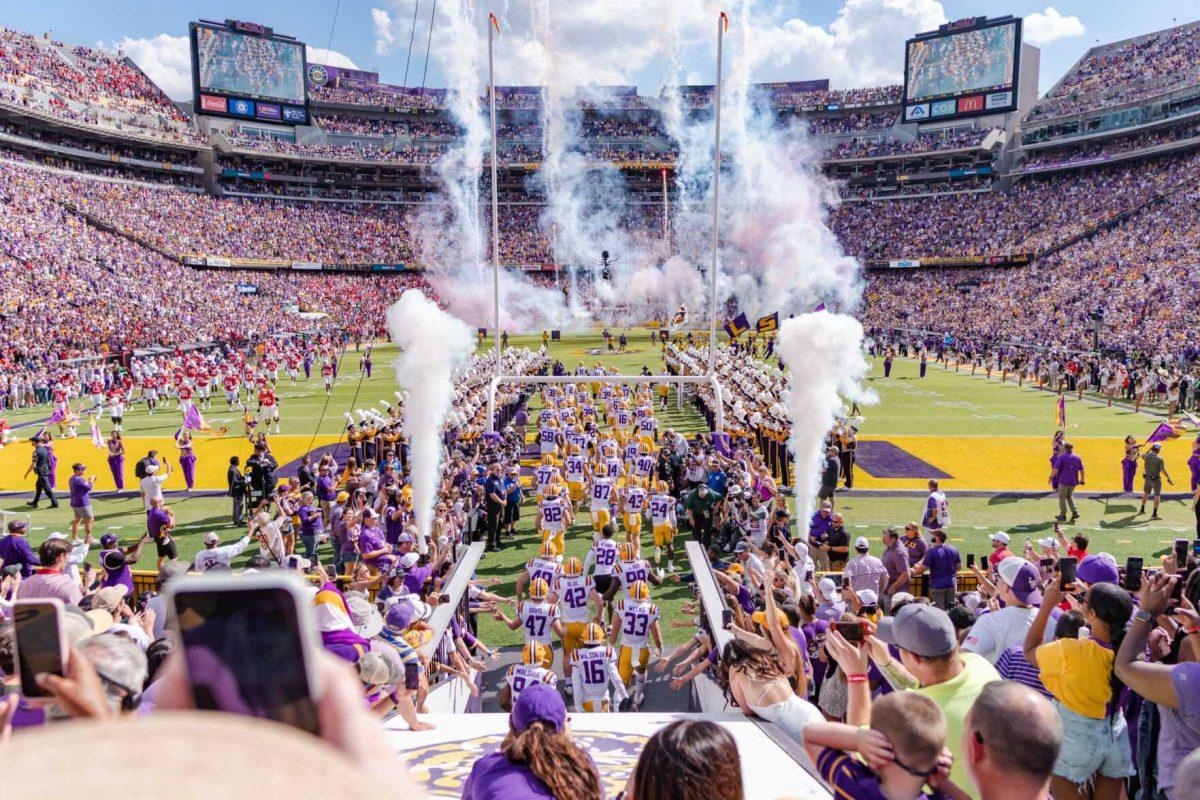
<point>237,491</point>
<point>260,470</point>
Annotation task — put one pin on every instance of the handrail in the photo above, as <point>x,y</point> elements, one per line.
<point>709,592</point>
<point>455,588</point>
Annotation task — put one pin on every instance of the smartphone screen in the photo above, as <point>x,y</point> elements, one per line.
<point>1133,574</point>
<point>245,653</point>
<point>1181,554</point>
<point>1066,571</point>
<point>970,560</point>
<point>850,631</point>
<point>1196,547</point>
<point>726,618</point>
<point>40,647</point>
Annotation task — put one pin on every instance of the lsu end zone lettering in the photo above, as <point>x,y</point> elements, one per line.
<point>967,105</point>
<point>443,768</point>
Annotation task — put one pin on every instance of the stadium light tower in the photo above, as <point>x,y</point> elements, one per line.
<point>710,376</point>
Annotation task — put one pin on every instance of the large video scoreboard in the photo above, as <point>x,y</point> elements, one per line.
<point>247,71</point>
<point>962,69</point>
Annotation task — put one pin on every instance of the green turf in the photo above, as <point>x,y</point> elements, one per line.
<point>958,404</point>
<point>942,403</point>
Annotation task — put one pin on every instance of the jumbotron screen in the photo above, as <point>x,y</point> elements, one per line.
<point>247,75</point>
<point>961,71</point>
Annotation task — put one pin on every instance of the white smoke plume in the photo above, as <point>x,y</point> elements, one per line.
<point>823,356</point>
<point>433,346</point>
<point>455,234</point>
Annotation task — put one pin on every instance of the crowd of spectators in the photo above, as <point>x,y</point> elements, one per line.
<point>850,123</point>
<point>924,142</point>
<point>867,96</point>
<point>85,85</point>
<point>380,126</point>
<point>1036,214</point>
<point>1125,72</point>
<point>1110,146</point>
<point>1139,274</point>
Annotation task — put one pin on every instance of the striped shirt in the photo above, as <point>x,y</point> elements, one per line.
<point>1012,666</point>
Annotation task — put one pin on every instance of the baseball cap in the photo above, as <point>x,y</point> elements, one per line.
<point>368,622</point>
<point>108,539</point>
<point>211,538</point>
<point>109,598</point>
<point>1022,578</point>
<point>760,618</point>
<point>409,560</point>
<point>826,506</point>
<point>404,538</point>
<point>867,597</point>
<point>113,560</point>
<point>373,670</point>
<point>399,616</point>
<point>902,597</point>
<point>342,497</point>
<point>538,703</point>
<point>1001,536</point>
<point>741,547</point>
<point>828,588</point>
<point>861,543</point>
<point>920,629</point>
<point>1098,568</point>
<point>971,601</point>
<point>369,513</point>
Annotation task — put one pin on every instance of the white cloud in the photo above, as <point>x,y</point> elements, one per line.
<point>385,38</point>
<point>863,46</point>
<point>331,58</point>
<point>166,59</point>
<point>1043,27</point>
<point>602,42</point>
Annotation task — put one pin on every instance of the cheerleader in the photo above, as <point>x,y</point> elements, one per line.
<point>1129,463</point>
<point>1056,449</point>
<point>187,458</point>
<point>116,459</point>
<point>1193,463</point>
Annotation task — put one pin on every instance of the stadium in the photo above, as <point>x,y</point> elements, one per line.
<point>726,438</point>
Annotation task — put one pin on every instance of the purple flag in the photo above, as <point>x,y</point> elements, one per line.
<point>1163,432</point>
<point>192,419</point>
<point>820,307</point>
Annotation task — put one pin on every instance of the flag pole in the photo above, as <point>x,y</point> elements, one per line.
<point>494,25</point>
<point>722,21</point>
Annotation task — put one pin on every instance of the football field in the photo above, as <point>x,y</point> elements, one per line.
<point>988,443</point>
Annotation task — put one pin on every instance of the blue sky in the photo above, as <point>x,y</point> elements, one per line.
<point>853,42</point>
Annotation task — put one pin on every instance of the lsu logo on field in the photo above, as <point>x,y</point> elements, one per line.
<point>443,768</point>
<point>919,111</point>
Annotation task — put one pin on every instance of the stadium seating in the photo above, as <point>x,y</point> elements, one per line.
<point>1125,72</point>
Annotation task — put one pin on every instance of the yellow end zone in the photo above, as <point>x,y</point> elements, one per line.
<point>212,459</point>
<point>1014,463</point>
